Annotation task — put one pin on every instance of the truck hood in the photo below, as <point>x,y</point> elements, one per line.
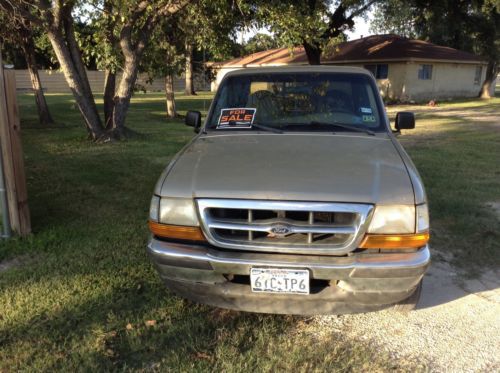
<point>299,167</point>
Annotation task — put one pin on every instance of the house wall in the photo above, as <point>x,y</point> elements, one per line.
<point>449,80</point>
<point>394,86</point>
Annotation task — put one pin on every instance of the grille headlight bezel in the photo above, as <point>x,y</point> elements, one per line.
<point>154,209</point>
<point>422,218</point>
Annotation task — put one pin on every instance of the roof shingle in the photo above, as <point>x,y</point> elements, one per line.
<point>370,48</point>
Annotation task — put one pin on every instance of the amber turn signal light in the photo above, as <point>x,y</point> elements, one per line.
<point>394,241</point>
<point>178,232</point>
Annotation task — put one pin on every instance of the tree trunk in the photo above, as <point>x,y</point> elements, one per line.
<point>123,96</point>
<point>313,53</point>
<point>170,96</point>
<point>487,89</point>
<point>169,86</point>
<point>110,79</point>
<point>78,83</point>
<point>41,104</point>
<point>189,90</point>
<point>109,95</point>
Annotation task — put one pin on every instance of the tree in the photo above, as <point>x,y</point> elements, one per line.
<point>165,58</point>
<point>206,24</point>
<point>315,24</point>
<point>260,42</point>
<point>188,71</point>
<point>469,25</point>
<point>20,33</point>
<point>486,33</point>
<point>133,25</point>
<point>134,34</point>
<point>394,17</point>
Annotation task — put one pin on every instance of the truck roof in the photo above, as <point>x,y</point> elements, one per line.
<point>299,69</point>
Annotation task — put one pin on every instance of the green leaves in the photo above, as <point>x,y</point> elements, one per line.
<point>318,24</point>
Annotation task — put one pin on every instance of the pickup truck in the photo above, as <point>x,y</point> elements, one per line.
<point>294,197</point>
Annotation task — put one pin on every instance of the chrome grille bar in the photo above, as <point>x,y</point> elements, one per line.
<point>310,233</point>
<point>282,226</point>
<point>217,224</point>
<point>250,220</point>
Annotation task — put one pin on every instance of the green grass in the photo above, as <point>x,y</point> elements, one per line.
<point>456,149</point>
<point>85,296</point>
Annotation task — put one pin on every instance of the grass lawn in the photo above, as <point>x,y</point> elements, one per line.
<point>456,148</point>
<point>86,296</point>
<point>82,295</point>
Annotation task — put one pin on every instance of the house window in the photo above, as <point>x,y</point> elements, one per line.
<point>379,71</point>
<point>477,75</point>
<point>425,72</point>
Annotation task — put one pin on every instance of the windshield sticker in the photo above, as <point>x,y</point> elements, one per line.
<point>236,118</point>
<point>369,118</point>
<point>366,110</point>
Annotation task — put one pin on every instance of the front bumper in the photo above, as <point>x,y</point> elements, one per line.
<point>357,283</point>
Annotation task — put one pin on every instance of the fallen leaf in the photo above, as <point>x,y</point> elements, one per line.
<point>202,356</point>
<point>151,323</point>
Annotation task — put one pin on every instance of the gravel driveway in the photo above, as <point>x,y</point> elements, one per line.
<point>455,328</point>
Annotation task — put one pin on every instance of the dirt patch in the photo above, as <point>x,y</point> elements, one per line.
<point>8,264</point>
<point>455,328</point>
<point>496,208</point>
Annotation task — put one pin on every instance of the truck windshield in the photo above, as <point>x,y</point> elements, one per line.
<point>297,102</point>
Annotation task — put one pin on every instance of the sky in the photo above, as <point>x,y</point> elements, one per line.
<point>361,28</point>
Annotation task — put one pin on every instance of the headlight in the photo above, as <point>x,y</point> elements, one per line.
<point>174,218</point>
<point>178,211</point>
<point>393,219</point>
<point>397,227</point>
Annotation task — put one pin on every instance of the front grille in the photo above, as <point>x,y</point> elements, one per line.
<point>293,227</point>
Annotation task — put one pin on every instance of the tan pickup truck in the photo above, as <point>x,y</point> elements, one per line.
<point>295,197</point>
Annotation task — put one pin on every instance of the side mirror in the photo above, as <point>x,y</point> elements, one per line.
<point>193,119</point>
<point>405,120</point>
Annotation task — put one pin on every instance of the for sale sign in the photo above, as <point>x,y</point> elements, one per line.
<point>236,118</point>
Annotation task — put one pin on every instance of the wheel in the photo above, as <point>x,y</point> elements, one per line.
<point>409,303</point>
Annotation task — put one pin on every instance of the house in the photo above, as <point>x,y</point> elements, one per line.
<point>405,69</point>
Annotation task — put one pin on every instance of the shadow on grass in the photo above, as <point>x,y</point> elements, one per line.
<point>71,307</point>
<point>132,327</point>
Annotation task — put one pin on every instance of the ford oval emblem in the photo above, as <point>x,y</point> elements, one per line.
<point>280,229</point>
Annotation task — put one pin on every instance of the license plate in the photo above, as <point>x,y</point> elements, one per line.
<point>279,280</point>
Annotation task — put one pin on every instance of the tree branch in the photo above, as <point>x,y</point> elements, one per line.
<point>19,11</point>
<point>362,9</point>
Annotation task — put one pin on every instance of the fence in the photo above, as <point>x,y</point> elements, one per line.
<point>13,192</point>
<point>53,82</point>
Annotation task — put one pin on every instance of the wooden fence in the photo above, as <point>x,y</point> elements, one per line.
<point>53,82</point>
<point>12,155</point>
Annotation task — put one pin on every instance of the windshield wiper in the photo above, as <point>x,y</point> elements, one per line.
<point>266,128</point>
<point>260,127</point>
<point>342,125</point>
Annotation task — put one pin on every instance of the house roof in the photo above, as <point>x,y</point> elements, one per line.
<point>270,57</point>
<point>371,48</point>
